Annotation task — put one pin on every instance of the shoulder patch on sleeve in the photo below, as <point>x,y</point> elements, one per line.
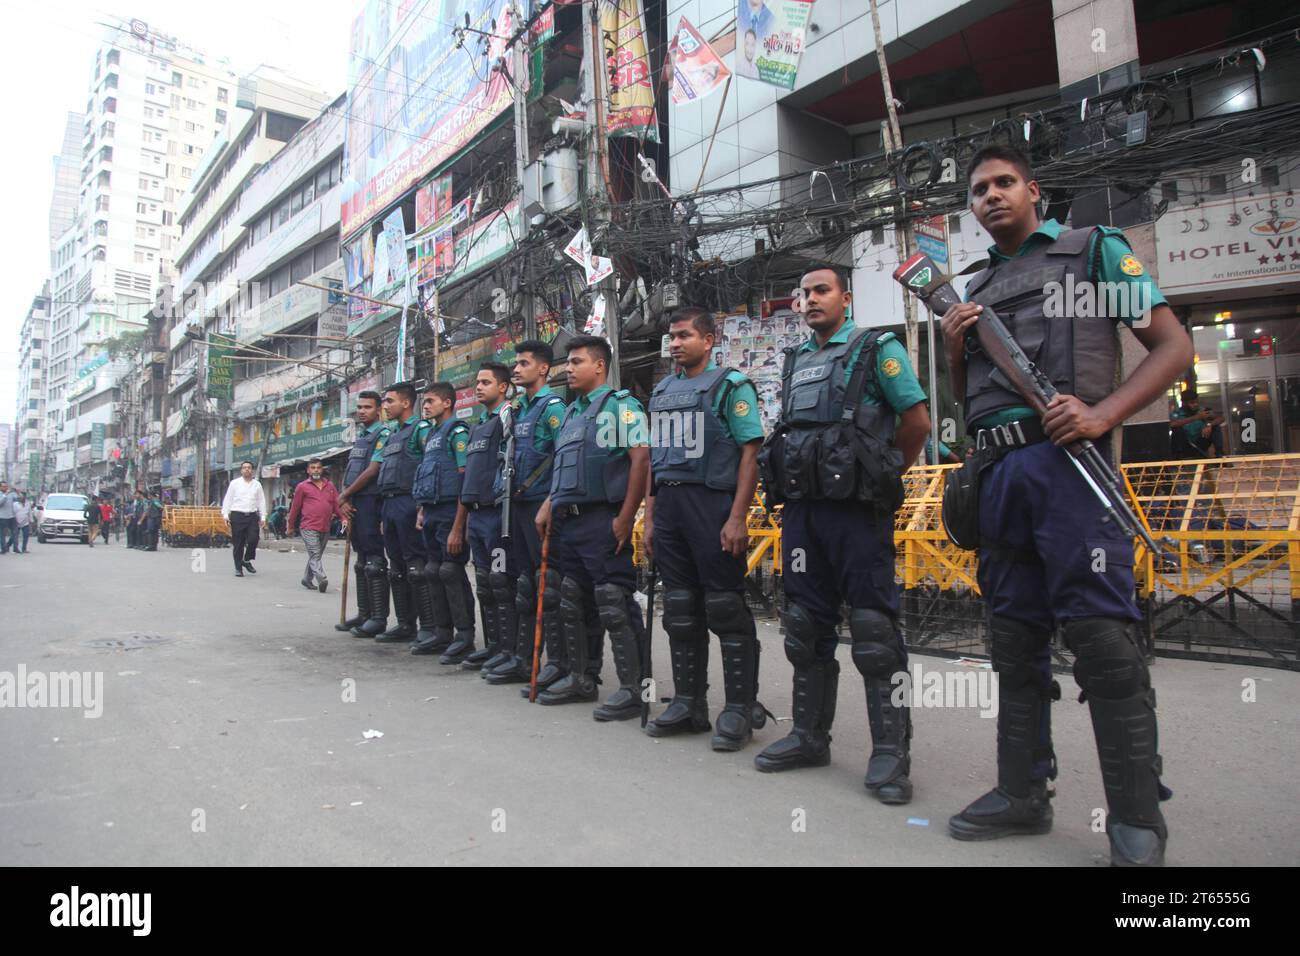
<point>892,367</point>
<point>1130,266</point>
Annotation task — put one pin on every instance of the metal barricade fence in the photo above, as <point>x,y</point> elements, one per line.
<point>1234,596</point>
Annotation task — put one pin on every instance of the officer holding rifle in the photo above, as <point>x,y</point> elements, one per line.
<point>1046,558</point>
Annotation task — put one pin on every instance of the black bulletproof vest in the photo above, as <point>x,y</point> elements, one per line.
<point>1077,354</point>
<point>584,470</point>
<point>359,459</point>
<point>688,441</point>
<point>397,468</point>
<point>482,462</point>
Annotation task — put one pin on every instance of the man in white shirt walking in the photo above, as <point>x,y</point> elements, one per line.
<point>244,508</point>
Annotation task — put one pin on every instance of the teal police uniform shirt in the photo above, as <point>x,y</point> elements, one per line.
<point>548,426</point>
<point>1115,264</point>
<point>419,438</point>
<point>623,420</point>
<point>737,405</point>
<point>895,382</point>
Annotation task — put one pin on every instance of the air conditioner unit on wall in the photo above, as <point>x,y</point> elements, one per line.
<point>551,184</point>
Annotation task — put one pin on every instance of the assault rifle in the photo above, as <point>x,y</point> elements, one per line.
<point>507,468</point>
<point>920,276</point>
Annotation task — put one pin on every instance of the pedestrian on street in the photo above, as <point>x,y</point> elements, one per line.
<point>315,503</point>
<point>105,518</point>
<point>244,509</point>
<point>92,516</point>
<point>7,522</point>
<point>23,522</point>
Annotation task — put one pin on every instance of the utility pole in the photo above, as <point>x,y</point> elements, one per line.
<point>893,136</point>
<point>521,78</point>
<point>595,74</point>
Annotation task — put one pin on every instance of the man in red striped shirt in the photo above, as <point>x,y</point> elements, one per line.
<point>315,503</point>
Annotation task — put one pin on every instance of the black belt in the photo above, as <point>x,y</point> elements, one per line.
<point>478,505</point>
<point>589,507</point>
<point>395,494</point>
<point>1017,434</point>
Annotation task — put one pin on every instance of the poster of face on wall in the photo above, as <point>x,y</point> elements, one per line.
<point>770,37</point>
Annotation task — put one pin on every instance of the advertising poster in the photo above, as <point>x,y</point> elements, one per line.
<point>754,345</point>
<point>413,100</point>
<point>770,37</point>
<point>697,69</point>
<point>632,92</point>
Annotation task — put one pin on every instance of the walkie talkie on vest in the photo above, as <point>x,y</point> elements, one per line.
<point>921,277</point>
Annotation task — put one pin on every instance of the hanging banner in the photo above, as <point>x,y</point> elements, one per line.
<point>697,69</point>
<point>632,92</point>
<point>770,37</point>
<point>395,238</point>
<point>221,382</point>
<point>418,93</point>
<point>97,432</point>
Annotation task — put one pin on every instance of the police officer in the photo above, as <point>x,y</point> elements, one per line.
<point>153,519</point>
<point>597,484</point>
<point>399,450</point>
<point>359,503</point>
<point>1040,528</point>
<point>705,436</point>
<point>835,459</point>
<point>133,514</point>
<point>494,578</point>
<point>535,419</point>
<point>438,483</point>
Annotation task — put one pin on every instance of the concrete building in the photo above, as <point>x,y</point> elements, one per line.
<point>154,105</point>
<point>217,257</point>
<point>29,414</point>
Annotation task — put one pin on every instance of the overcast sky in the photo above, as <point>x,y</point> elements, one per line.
<point>47,66</point>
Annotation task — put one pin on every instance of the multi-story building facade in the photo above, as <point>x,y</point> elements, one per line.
<point>29,413</point>
<point>218,259</point>
<point>153,107</point>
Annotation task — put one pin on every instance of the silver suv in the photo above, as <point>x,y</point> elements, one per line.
<point>64,516</point>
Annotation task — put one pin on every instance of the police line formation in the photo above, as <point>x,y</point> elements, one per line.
<point>428,493</point>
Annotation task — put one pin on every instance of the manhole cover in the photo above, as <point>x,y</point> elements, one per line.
<point>128,643</point>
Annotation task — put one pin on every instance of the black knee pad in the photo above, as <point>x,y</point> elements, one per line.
<point>483,587</point>
<point>415,571</point>
<point>1014,647</point>
<point>450,573</point>
<point>396,574</point>
<point>431,572</point>
<point>377,567</point>
<point>525,596</point>
<point>683,615</point>
<point>877,646</point>
<point>800,637</point>
<point>499,581</point>
<point>551,591</point>
<point>1107,661</point>
<point>572,607</point>
<point>728,613</point>
<point>611,600</point>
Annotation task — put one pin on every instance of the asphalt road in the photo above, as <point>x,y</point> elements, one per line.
<point>225,739</point>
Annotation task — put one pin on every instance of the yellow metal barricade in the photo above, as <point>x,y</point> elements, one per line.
<point>194,524</point>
